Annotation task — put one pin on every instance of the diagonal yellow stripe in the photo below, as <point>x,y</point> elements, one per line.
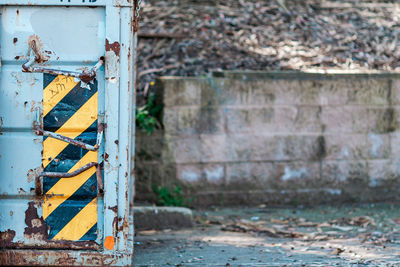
<point>55,91</point>
<point>80,224</point>
<point>66,187</point>
<point>76,125</point>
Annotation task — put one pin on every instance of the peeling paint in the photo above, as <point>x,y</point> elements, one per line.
<point>36,227</point>
<point>116,47</point>
<point>36,44</point>
<point>34,173</point>
<point>6,238</point>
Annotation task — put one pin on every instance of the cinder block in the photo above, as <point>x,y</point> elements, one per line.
<point>383,119</point>
<point>214,148</point>
<point>378,146</point>
<point>190,174</point>
<point>345,119</point>
<point>181,120</point>
<point>297,119</point>
<point>297,173</point>
<point>181,91</point>
<point>193,120</point>
<point>296,92</point>
<point>395,145</point>
<point>276,119</point>
<point>303,147</point>
<point>182,149</point>
<point>149,147</point>
<point>339,172</point>
<point>380,170</point>
<point>346,146</point>
<point>395,91</point>
<point>240,147</point>
<point>250,119</point>
<point>146,175</point>
<point>214,173</point>
<point>334,92</point>
<point>245,175</point>
<point>240,171</point>
<point>368,91</point>
<point>260,147</point>
<point>239,92</point>
<point>210,121</point>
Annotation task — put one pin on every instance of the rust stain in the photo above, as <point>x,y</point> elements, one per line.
<point>125,229</point>
<point>37,45</point>
<point>33,173</point>
<point>15,40</point>
<point>115,225</point>
<point>114,209</point>
<point>6,238</point>
<point>38,186</point>
<point>116,47</point>
<point>36,227</point>
<point>61,258</point>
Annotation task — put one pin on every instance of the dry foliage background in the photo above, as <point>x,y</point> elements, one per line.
<point>190,38</point>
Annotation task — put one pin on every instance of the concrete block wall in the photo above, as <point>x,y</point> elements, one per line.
<point>275,138</point>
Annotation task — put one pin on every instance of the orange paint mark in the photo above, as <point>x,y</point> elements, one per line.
<point>109,242</point>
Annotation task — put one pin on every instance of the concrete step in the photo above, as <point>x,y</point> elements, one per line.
<point>159,218</point>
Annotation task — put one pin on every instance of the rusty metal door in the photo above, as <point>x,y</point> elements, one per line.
<point>66,132</point>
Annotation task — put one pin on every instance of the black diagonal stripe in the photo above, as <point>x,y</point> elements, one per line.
<point>64,213</point>
<point>91,234</point>
<point>47,79</point>
<point>69,156</point>
<point>68,106</point>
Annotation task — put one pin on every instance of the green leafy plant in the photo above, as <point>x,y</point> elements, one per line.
<point>166,197</point>
<point>146,116</point>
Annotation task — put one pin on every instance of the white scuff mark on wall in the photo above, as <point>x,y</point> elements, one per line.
<point>334,191</point>
<point>376,143</point>
<point>190,176</point>
<point>293,174</point>
<point>215,175</point>
<point>345,152</point>
<point>373,182</point>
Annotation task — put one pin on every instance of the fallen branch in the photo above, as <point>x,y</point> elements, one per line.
<point>161,35</point>
<point>157,70</point>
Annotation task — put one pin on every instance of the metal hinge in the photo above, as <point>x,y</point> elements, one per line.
<point>39,131</point>
<point>85,76</point>
<point>71,141</point>
<point>77,172</point>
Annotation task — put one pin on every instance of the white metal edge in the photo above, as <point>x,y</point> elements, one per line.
<point>126,106</point>
<point>119,3</point>
<point>111,162</point>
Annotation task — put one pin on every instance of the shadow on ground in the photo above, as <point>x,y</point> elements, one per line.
<point>356,235</point>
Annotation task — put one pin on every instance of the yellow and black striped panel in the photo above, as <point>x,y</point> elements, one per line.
<point>70,204</point>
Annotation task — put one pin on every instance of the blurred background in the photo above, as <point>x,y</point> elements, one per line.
<point>272,129</point>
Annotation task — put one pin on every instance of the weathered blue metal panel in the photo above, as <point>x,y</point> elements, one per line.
<point>49,200</point>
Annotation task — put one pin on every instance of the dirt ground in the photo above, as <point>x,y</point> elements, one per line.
<point>352,235</point>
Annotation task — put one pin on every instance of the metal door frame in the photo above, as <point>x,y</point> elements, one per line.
<point>118,142</point>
